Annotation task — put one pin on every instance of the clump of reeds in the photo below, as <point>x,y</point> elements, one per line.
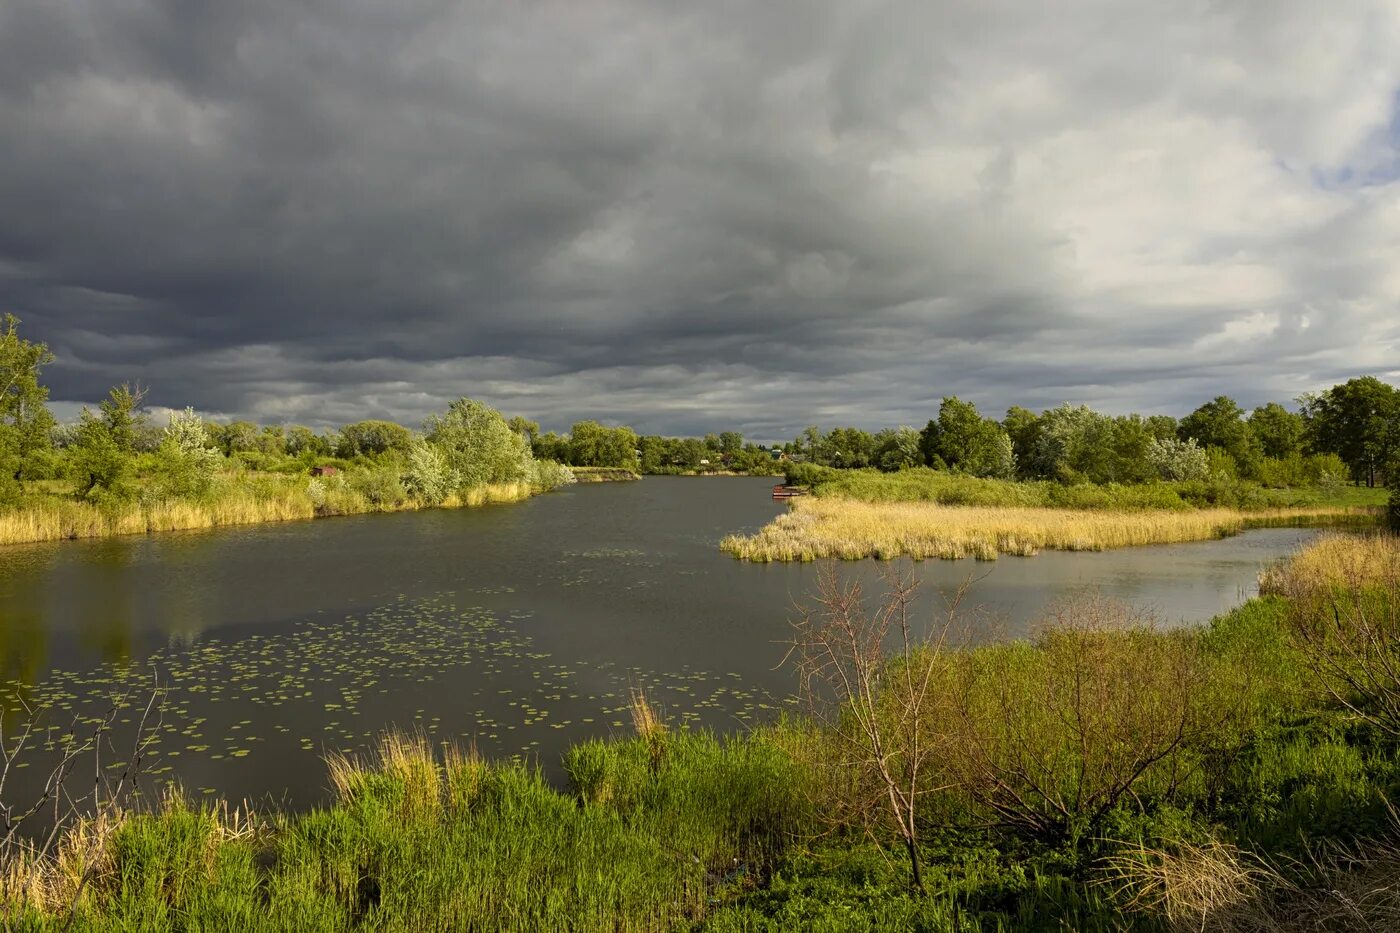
<point>1335,560</point>
<point>817,528</point>
<point>1190,887</point>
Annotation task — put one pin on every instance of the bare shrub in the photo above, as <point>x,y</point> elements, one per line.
<point>1101,709</point>
<point>873,708</point>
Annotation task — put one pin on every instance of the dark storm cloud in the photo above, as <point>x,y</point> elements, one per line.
<point>694,216</point>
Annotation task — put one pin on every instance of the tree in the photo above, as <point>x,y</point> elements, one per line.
<point>593,444</point>
<point>1359,421</point>
<point>1220,423</point>
<point>971,444</point>
<point>1176,460</point>
<point>187,460</point>
<point>25,423</point>
<point>1023,427</point>
<point>730,442</point>
<point>1280,431</point>
<point>479,445</point>
<point>530,430</point>
<point>429,476</point>
<point>372,438</point>
<point>897,448</point>
<point>100,457</point>
<point>848,448</point>
<point>879,715</point>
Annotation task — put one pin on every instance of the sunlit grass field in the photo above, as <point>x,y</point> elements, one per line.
<point>242,500</point>
<point>820,527</point>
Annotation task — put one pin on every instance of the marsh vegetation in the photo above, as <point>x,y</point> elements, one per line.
<point>1103,774</point>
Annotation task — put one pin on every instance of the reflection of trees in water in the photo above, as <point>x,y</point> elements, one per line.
<point>104,601</point>
<point>23,653</point>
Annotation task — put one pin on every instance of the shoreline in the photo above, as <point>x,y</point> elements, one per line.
<point>56,519</point>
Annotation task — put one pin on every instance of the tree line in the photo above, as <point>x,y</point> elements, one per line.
<point>1348,432</point>
<point>1351,431</point>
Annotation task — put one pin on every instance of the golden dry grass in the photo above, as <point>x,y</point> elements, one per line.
<point>58,519</point>
<point>817,528</point>
<point>1354,561</point>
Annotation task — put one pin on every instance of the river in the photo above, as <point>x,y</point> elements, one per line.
<point>520,628</point>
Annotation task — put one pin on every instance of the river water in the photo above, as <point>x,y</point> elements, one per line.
<point>520,628</point>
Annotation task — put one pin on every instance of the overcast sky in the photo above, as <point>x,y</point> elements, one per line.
<point>693,216</point>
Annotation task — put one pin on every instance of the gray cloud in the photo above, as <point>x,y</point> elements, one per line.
<point>690,217</point>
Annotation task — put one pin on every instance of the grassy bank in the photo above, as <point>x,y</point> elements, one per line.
<point>945,488</point>
<point>604,474</point>
<point>242,500</point>
<point>827,526</point>
<point>1106,775</point>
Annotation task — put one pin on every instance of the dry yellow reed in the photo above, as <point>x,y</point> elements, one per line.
<point>817,528</point>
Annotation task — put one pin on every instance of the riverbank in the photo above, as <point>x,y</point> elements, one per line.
<point>1105,776</point>
<point>245,500</point>
<point>604,475</point>
<point>816,528</point>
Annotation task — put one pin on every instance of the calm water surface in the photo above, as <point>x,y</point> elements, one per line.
<point>520,627</point>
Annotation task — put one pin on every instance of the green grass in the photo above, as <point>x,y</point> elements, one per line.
<point>926,485</point>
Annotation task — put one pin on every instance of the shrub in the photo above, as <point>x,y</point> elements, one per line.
<point>380,487</point>
<point>429,477</point>
<point>1101,711</point>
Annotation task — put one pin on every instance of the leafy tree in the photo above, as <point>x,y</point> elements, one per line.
<point>1068,442</point>
<point>1161,426</point>
<point>551,446</point>
<point>593,444</point>
<point>1220,423</point>
<point>429,476</point>
<point>1023,427</point>
<point>897,448</point>
<point>1279,431</point>
<point>1177,460</point>
<point>971,444</point>
<point>1359,421</point>
<point>849,448</point>
<point>530,430</point>
<point>235,437</point>
<point>187,462</point>
<point>100,456</point>
<point>302,441</point>
<point>730,442</point>
<point>479,445</point>
<point>25,423</point>
<point>372,438</point>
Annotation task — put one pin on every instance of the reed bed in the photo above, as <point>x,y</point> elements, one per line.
<point>1351,561</point>
<point>817,528</point>
<point>265,499</point>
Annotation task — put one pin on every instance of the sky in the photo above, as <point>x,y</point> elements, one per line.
<point>700,216</point>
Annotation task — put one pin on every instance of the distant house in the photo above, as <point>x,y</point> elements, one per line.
<point>324,471</point>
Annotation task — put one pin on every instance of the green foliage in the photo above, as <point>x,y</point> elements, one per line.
<point>186,464</point>
<point>1359,421</point>
<point>1279,431</point>
<point>25,422</point>
<point>1175,460</point>
<point>372,438</point>
<point>1220,423</point>
<point>592,444</point>
<point>380,486</point>
<point>479,445</point>
<point>429,476</point>
<point>969,443</point>
<point>100,458</point>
